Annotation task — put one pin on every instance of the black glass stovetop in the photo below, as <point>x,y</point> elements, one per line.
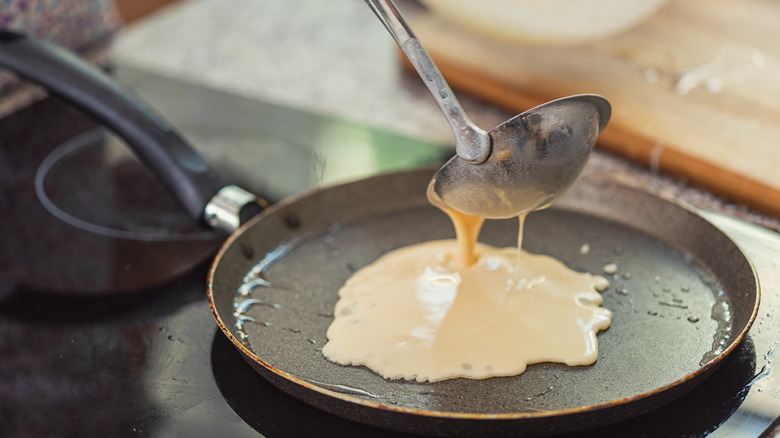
<point>87,349</point>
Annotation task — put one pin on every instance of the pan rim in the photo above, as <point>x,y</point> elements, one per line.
<point>711,365</point>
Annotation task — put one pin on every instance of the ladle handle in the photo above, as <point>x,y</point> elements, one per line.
<point>471,143</point>
<point>193,183</point>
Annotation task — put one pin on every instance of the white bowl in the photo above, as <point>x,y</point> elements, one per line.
<point>546,22</point>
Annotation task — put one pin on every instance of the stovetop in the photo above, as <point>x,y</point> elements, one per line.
<point>81,359</point>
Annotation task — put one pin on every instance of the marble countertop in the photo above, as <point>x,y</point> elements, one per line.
<point>335,58</point>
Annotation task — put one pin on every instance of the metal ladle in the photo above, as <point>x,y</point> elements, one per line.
<point>525,163</point>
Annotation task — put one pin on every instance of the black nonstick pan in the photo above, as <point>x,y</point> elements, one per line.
<point>682,293</point>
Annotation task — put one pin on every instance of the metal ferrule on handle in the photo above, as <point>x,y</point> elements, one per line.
<point>224,210</point>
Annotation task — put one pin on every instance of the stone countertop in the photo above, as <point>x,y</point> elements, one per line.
<point>335,58</point>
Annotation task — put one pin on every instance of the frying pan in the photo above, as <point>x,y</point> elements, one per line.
<point>683,296</point>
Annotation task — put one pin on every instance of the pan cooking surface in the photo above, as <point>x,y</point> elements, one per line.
<point>662,305</point>
<point>673,313</point>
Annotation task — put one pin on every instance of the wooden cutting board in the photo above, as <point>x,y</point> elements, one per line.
<point>695,89</point>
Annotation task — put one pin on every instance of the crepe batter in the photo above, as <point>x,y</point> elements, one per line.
<point>459,308</point>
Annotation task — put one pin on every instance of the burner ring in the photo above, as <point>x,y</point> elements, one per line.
<point>184,229</point>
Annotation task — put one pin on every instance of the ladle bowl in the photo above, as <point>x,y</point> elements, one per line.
<point>535,158</point>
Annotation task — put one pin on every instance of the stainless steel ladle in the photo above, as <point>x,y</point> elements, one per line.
<point>524,164</point>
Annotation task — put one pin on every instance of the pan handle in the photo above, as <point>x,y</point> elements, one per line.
<point>201,192</point>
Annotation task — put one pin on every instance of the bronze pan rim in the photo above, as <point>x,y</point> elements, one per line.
<point>677,387</point>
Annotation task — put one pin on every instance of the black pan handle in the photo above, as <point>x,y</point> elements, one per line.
<point>186,175</point>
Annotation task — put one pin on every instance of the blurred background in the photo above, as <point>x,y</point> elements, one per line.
<point>693,88</point>
<point>283,96</point>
